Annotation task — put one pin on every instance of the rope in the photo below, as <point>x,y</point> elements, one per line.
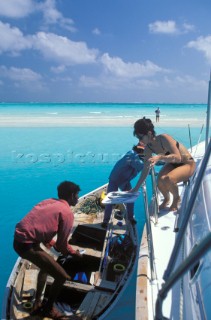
<point>90,206</point>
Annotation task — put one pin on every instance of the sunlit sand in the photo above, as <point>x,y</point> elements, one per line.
<point>59,121</point>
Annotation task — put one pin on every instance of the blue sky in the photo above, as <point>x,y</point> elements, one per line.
<point>105,51</point>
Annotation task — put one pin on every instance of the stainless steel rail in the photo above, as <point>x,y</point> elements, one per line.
<point>208,114</point>
<point>149,232</point>
<point>155,215</point>
<point>170,276</point>
<point>198,251</point>
<point>155,194</point>
<point>187,214</point>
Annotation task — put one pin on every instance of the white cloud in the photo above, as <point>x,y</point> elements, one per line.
<point>96,31</point>
<point>185,81</point>
<point>24,79</point>
<point>188,27</point>
<point>168,27</point>
<point>190,80</point>
<point>19,74</point>
<point>129,70</point>
<point>58,69</point>
<point>53,16</point>
<point>54,47</point>
<point>12,39</point>
<point>59,79</point>
<point>62,49</point>
<point>91,82</point>
<point>202,44</point>
<point>115,84</point>
<point>16,8</point>
<point>23,8</point>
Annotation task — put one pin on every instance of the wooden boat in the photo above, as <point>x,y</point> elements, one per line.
<point>112,253</point>
<point>174,269</point>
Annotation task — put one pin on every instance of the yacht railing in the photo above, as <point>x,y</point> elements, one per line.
<point>171,277</point>
<point>188,212</point>
<point>148,224</point>
<point>208,114</point>
<point>198,251</point>
<point>149,232</point>
<point>155,195</point>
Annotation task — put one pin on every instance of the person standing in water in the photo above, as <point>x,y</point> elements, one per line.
<point>179,165</point>
<point>157,113</point>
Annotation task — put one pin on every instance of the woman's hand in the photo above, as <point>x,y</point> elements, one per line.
<point>153,160</point>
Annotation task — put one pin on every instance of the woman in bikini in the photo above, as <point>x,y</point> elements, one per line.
<point>179,164</point>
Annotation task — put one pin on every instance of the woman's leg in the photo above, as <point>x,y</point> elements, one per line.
<point>162,185</point>
<point>179,174</point>
<point>169,178</point>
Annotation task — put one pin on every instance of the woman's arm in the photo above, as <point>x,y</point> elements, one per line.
<point>145,170</point>
<point>142,177</point>
<point>170,145</point>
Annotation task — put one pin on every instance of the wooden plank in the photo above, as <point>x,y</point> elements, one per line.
<point>92,304</point>
<point>102,302</point>
<point>106,285</point>
<point>84,306</point>
<point>89,251</point>
<point>73,285</point>
<point>142,280</point>
<point>29,284</point>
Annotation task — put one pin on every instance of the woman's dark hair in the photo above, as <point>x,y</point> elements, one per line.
<point>143,126</point>
<point>138,149</point>
<point>66,189</point>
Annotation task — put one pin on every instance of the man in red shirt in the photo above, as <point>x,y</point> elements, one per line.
<point>48,218</point>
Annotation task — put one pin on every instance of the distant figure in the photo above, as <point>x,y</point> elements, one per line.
<point>127,168</point>
<point>179,164</point>
<point>157,113</point>
<point>48,218</point>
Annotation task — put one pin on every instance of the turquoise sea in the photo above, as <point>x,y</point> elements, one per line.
<point>34,160</point>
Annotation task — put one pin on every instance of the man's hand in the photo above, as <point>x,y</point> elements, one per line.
<point>78,254</point>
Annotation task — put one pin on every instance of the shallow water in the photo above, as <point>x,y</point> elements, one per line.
<point>33,161</point>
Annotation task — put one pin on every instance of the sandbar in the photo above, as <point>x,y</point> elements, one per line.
<point>68,121</point>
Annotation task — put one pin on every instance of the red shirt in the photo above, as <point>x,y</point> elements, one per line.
<point>48,218</point>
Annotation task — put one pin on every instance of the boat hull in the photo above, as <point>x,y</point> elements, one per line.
<point>97,295</point>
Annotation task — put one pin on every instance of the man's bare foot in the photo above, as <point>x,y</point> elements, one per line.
<point>175,204</point>
<point>164,204</point>
<point>36,308</point>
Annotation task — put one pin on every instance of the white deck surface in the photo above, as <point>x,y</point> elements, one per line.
<point>163,240</point>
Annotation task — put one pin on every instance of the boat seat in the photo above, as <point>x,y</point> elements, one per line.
<point>89,251</point>
<point>105,285</point>
<point>29,284</point>
<point>92,304</point>
<point>73,285</point>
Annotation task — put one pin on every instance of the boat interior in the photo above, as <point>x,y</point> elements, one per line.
<point>97,278</point>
